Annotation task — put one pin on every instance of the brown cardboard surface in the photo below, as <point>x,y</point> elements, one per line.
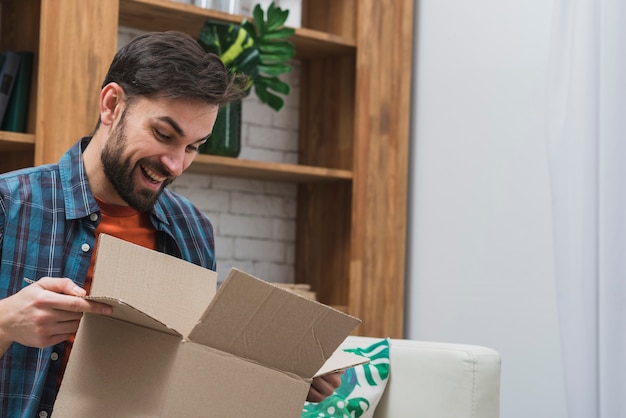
<point>166,288</point>
<point>255,320</point>
<point>341,360</point>
<point>252,353</point>
<point>116,370</point>
<point>151,374</point>
<point>128,313</point>
<point>226,386</point>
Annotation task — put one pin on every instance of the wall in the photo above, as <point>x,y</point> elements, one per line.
<point>480,255</point>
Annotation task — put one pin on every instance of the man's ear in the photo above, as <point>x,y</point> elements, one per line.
<point>111,103</point>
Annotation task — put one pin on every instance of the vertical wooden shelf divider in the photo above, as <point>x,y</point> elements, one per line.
<point>352,244</point>
<point>77,40</point>
<point>382,114</point>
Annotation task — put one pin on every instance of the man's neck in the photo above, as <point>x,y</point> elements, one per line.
<point>98,181</point>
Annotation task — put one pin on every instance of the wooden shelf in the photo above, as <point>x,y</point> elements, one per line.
<point>158,15</point>
<point>235,167</point>
<point>354,114</point>
<point>14,141</point>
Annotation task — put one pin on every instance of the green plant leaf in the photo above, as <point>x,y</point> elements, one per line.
<point>258,48</point>
<point>272,100</point>
<point>247,63</point>
<point>276,17</point>
<point>258,16</point>
<point>281,87</point>
<point>285,48</point>
<point>281,33</point>
<point>269,59</point>
<point>274,69</point>
<point>275,84</point>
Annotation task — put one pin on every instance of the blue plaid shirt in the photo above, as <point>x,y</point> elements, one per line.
<point>47,220</point>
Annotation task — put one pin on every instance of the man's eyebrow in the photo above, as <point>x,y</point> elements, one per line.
<point>178,129</point>
<point>173,124</point>
<point>206,138</point>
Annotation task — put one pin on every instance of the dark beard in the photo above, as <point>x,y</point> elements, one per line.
<point>119,172</point>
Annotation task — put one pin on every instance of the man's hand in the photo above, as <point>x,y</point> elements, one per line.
<point>44,313</point>
<point>324,386</point>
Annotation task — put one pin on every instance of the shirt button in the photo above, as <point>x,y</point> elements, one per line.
<point>43,414</point>
<point>85,247</point>
<point>93,217</point>
<point>54,357</point>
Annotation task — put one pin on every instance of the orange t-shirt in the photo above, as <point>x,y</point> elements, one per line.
<point>125,223</point>
<point>121,222</point>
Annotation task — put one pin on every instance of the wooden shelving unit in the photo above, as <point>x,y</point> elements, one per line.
<point>15,141</point>
<point>295,173</point>
<point>188,18</point>
<point>354,123</point>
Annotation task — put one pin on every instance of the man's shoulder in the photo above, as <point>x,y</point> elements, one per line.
<point>33,185</point>
<point>175,204</point>
<point>181,213</point>
<point>189,227</point>
<point>29,171</point>
<point>27,175</point>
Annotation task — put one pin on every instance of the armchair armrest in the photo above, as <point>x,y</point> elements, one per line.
<point>443,380</point>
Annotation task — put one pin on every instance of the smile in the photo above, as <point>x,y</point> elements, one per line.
<point>152,175</point>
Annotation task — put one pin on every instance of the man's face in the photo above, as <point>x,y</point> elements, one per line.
<point>154,141</point>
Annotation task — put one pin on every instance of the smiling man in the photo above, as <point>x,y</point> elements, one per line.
<point>158,104</point>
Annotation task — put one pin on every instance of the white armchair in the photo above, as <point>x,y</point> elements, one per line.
<point>438,380</point>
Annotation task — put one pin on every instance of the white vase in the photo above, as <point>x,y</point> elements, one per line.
<point>228,6</point>
<point>245,7</point>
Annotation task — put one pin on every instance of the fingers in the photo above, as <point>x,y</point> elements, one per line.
<point>63,286</point>
<point>45,313</point>
<point>54,333</point>
<point>324,386</point>
<point>62,295</point>
<point>97,308</point>
<point>333,379</point>
<point>315,396</point>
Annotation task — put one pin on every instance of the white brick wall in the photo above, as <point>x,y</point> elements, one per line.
<point>254,221</point>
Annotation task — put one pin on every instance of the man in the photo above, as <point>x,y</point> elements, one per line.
<point>158,104</point>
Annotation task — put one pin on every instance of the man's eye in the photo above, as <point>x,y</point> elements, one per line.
<point>192,148</point>
<point>161,135</point>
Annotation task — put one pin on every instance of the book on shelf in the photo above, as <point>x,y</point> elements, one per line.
<point>15,116</point>
<point>8,73</point>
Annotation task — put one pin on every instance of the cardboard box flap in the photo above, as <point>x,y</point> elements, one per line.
<point>168,289</point>
<point>268,325</point>
<point>341,360</point>
<point>127,313</point>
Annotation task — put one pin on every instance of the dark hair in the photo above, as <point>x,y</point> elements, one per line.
<point>173,65</point>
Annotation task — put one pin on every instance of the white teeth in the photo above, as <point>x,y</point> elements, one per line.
<point>153,176</point>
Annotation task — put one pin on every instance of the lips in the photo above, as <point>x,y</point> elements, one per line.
<point>152,175</point>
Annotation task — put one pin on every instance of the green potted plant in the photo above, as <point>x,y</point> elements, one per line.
<point>260,50</point>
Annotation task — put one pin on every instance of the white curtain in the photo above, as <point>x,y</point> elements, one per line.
<point>587,159</point>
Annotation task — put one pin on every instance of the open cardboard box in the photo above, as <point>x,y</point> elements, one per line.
<point>175,348</point>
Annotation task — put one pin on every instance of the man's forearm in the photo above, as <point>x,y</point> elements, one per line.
<point>5,340</point>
